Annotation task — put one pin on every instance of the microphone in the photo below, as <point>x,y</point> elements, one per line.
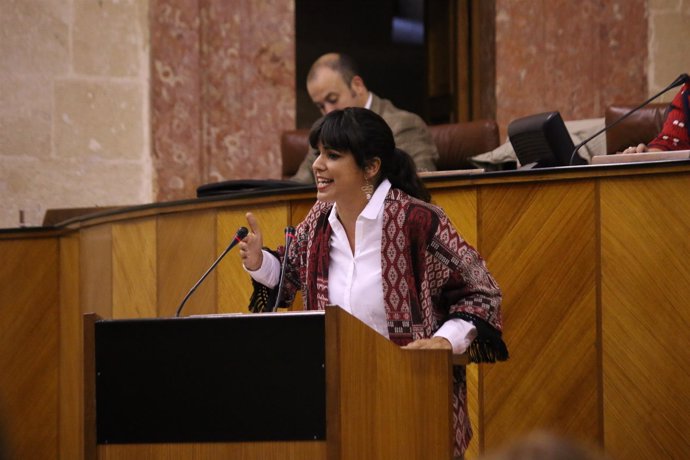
<point>239,236</point>
<point>289,236</point>
<point>682,78</point>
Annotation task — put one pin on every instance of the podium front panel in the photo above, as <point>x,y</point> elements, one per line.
<point>211,379</point>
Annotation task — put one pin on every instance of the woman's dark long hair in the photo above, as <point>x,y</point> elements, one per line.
<point>366,136</point>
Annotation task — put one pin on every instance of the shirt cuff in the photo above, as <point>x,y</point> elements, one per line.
<point>459,333</point>
<point>269,272</point>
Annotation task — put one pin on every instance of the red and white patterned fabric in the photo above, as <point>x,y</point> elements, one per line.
<point>429,274</point>
<point>675,134</point>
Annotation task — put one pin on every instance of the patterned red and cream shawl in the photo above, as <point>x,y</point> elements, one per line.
<point>430,274</point>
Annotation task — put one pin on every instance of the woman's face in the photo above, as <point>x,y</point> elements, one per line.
<point>337,176</point>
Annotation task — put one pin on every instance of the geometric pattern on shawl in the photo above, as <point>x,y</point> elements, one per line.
<point>429,273</point>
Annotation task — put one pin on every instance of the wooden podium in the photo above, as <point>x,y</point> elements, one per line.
<point>303,385</point>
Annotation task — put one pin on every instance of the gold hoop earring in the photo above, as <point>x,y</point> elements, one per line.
<point>367,189</point>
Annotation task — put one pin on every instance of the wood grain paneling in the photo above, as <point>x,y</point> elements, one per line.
<point>371,395</point>
<point>186,248</point>
<point>646,316</point>
<point>134,269</point>
<point>299,210</point>
<point>96,270</point>
<point>540,241</point>
<point>461,208</point>
<point>29,331</point>
<point>234,284</point>
<point>315,450</point>
<point>473,409</point>
<point>71,423</point>
<point>592,265</point>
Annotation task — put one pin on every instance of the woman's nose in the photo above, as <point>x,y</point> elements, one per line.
<point>318,163</point>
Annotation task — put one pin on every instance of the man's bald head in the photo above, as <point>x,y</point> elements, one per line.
<point>333,82</point>
<point>337,62</point>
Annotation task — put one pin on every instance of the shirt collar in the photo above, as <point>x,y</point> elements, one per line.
<point>369,99</point>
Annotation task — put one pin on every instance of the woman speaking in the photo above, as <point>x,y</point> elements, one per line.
<point>373,245</point>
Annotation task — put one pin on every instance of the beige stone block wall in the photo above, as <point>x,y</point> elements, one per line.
<point>98,119</point>
<point>669,47</point>
<point>74,106</point>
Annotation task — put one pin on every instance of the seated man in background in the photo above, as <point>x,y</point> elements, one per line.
<point>334,83</point>
<point>675,134</point>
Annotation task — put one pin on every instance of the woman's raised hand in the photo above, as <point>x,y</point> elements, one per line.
<point>250,246</point>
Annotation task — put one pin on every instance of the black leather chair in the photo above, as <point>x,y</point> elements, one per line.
<point>456,143</point>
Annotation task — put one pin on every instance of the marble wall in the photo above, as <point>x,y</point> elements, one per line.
<point>223,89</point>
<point>576,57</point>
<point>580,57</point>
